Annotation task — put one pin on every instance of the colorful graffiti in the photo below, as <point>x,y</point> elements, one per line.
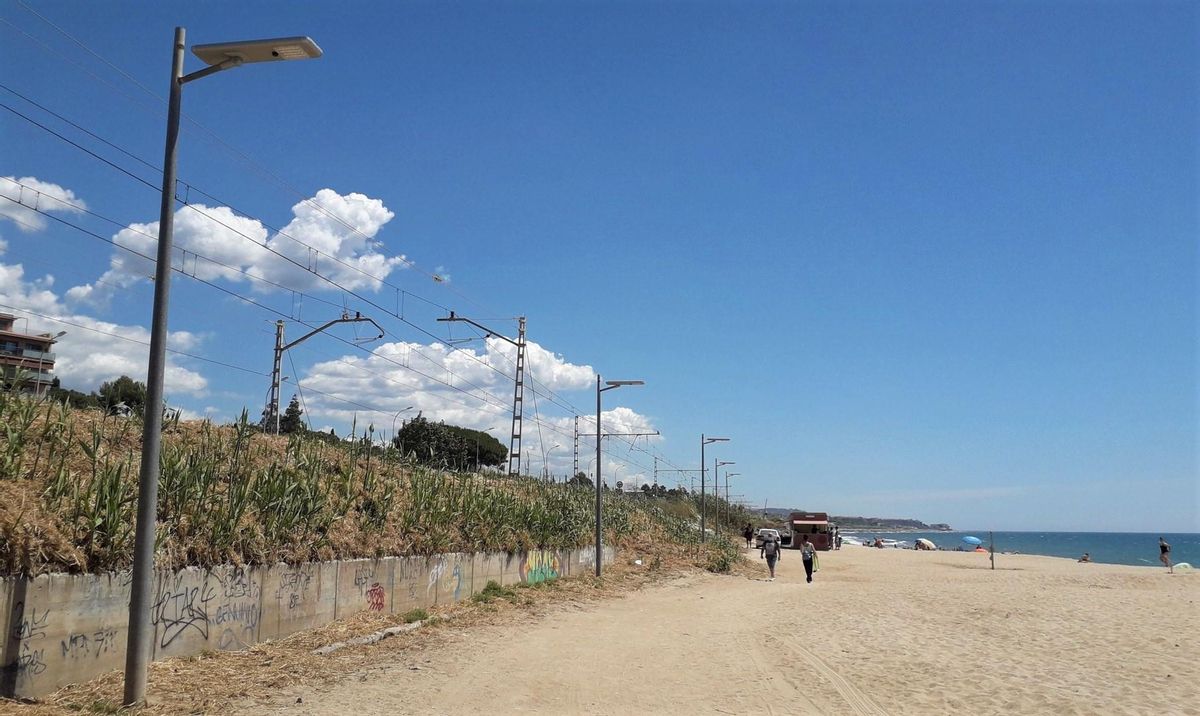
<point>539,567</point>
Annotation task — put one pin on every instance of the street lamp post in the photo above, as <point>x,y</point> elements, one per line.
<point>717,487</point>
<point>218,57</point>
<point>477,467</point>
<point>728,475</point>
<point>705,441</point>
<point>546,463</point>
<point>397,417</point>
<point>599,462</point>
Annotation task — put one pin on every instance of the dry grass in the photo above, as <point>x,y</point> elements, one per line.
<point>231,495</point>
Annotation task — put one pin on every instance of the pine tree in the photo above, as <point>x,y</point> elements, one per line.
<point>290,421</point>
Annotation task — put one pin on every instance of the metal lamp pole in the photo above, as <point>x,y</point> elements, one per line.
<point>219,57</point>
<point>717,487</point>
<point>397,417</point>
<point>728,475</point>
<point>703,503</point>
<point>599,461</point>
<point>546,464</point>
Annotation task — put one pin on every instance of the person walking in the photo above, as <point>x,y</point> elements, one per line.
<point>1164,555</point>
<point>748,533</point>
<point>807,551</point>
<point>770,552</point>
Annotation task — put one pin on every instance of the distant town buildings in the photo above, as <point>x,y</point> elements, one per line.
<point>25,359</point>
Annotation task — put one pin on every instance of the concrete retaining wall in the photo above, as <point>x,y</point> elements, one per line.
<point>63,628</point>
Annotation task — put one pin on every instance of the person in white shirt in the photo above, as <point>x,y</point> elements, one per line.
<point>807,550</point>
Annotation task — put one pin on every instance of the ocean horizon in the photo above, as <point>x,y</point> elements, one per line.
<point>1139,549</point>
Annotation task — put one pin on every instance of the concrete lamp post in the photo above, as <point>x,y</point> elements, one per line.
<point>218,57</point>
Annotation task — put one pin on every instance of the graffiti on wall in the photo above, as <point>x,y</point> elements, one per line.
<point>93,644</point>
<point>181,608</point>
<point>30,631</point>
<point>294,583</point>
<point>539,566</point>
<point>364,575</point>
<point>375,598</point>
<point>436,570</point>
<point>238,610</point>
<point>227,600</point>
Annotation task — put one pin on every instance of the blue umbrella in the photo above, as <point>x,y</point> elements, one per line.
<point>972,540</point>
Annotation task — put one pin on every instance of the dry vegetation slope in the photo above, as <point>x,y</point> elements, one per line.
<point>233,495</point>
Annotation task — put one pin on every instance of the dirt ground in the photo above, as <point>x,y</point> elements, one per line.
<point>696,644</point>
<point>877,632</point>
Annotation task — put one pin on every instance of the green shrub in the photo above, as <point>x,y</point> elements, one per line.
<point>415,615</point>
<point>492,591</point>
<point>722,555</point>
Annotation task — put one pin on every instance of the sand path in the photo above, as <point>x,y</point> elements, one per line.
<point>879,632</point>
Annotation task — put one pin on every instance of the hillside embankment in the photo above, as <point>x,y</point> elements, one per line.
<point>242,514</point>
<point>230,495</point>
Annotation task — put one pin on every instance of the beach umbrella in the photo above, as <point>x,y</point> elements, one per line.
<point>925,543</point>
<point>972,540</point>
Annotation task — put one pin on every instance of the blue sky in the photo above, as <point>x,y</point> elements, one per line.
<point>931,260</point>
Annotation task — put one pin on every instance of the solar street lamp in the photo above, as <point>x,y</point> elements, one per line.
<point>218,57</point>
<point>611,385</point>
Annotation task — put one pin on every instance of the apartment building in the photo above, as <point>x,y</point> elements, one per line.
<point>25,355</point>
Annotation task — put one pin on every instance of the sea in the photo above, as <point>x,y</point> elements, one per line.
<point>1135,548</point>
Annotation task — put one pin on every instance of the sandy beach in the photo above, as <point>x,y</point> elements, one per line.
<point>878,632</point>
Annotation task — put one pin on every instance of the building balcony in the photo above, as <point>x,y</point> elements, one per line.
<point>39,356</point>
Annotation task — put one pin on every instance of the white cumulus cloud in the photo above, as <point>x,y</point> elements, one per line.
<point>379,388</point>
<point>330,235</point>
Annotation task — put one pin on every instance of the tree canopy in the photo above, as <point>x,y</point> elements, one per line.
<point>123,390</point>
<point>445,445</point>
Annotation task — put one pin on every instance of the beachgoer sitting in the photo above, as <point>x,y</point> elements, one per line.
<point>1086,557</point>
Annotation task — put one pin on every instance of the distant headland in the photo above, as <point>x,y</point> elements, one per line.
<point>883,524</point>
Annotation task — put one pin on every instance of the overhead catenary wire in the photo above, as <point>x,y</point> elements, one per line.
<point>264,246</point>
<point>247,299</point>
<point>198,256</point>
<point>497,405</point>
<point>237,153</point>
<point>549,393</point>
<point>175,351</point>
